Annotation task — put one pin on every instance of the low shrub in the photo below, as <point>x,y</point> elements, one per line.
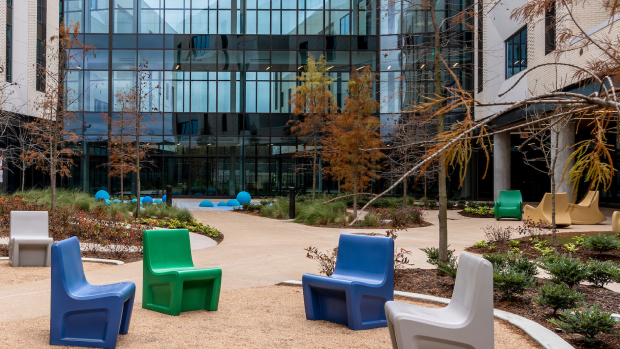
<point>461,204</point>
<point>564,269</point>
<point>402,217</point>
<point>570,248</point>
<point>558,296</point>
<point>432,253</point>
<point>514,243</point>
<point>497,233</point>
<point>602,273</point>
<point>601,243</point>
<point>327,259</point>
<point>278,209</point>
<point>509,281</point>
<point>480,244</point>
<point>480,210</point>
<point>432,203</point>
<point>370,220</point>
<point>449,268</point>
<point>250,207</point>
<point>587,322</point>
<point>512,260</point>
<point>317,213</point>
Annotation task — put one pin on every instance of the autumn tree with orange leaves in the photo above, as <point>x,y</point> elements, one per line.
<point>50,149</point>
<point>313,104</point>
<point>356,128</point>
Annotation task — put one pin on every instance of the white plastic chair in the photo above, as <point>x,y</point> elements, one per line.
<point>466,323</point>
<point>29,243</point>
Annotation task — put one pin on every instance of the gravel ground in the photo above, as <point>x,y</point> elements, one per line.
<point>265,317</point>
<point>14,276</point>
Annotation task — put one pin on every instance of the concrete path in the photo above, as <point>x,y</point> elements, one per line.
<point>197,241</point>
<point>258,251</point>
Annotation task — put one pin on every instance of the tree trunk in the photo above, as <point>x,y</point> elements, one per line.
<point>355,198</point>
<point>138,167</point>
<point>314,155</point>
<point>443,197</point>
<point>553,226</point>
<point>405,192</point>
<point>23,174</point>
<point>122,194</point>
<point>53,183</point>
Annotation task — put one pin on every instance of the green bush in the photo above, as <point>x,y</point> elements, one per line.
<point>461,204</point>
<point>480,244</point>
<point>318,213</point>
<point>277,210</point>
<point>564,269</point>
<point>370,220</point>
<point>250,207</point>
<point>558,296</point>
<point>512,260</point>
<point>449,267</point>
<point>587,322</point>
<point>514,243</point>
<point>432,203</point>
<point>601,243</point>
<point>602,273</point>
<point>451,204</point>
<point>432,253</point>
<point>509,281</point>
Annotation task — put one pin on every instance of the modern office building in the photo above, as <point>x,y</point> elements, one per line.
<point>224,71</point>
<point>510,50</point>
<point>24,26</point>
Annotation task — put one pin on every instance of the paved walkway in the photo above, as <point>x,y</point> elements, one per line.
<point>258,251</point>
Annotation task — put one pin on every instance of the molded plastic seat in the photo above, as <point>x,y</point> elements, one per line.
<point>82,314</point>
<point>543,211</point>
<point>171,282</point>
<point>362,282</point>
<point>587,211</point>
<point>29,242</point>
<point>509,204</point>
<point>466,323</point>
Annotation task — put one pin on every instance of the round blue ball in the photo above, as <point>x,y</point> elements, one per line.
<point>244,197</point>
<point>206,203</point>
<point>164,198</point>
<point>222,203</point>
<point>103,195</point>
<point>232,203</point>
<point>147,200</point>
<point>116,201</point>
<point>134,200</point>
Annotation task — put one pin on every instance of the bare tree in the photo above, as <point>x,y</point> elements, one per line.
<point>21,144</point>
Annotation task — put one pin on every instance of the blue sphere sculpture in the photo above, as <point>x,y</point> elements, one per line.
<point>116,201</point>
<point>103,195</point>
<point>232,203</point>
<point>206,203</point>
<point>157,201</point>
<point>222,203</point>
<point>244,197</point>
<point>147,200</point>
<point>163,199</point>
<point>134,200</point>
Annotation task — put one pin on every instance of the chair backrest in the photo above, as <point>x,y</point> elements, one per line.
<point>561,202</point>
<point>67,268</point>
<point>164,249</point>
<point>591,197</point>
<point>29,224</point>
<point>365,256</point>
<point>510,197</point>
<point>473,288</point>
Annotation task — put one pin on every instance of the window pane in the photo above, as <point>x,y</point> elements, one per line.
<point>124,59</point>
<point>154,59</point>
<point>204,59</point>
<point>176,22</point>
<point>230,60</point>
<point>97,59</point>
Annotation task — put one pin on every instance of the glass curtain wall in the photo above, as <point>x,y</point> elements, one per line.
<point>223,72</point>
<point>407,64</point>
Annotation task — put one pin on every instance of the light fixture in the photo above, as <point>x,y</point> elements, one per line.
<point>178,67</point>
<point>422,66</point>
<point>178,143</point>
<point>268,68</point>
<point>362,67</point>
<point>330,67</point>
<point>301,66</point>
<point>389,67</point>
<point>455,64</point>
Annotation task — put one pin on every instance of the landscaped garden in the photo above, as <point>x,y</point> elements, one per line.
<point>106,231</point>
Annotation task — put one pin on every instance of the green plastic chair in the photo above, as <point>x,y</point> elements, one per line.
<point>171,283</point>
<point>509,204</point>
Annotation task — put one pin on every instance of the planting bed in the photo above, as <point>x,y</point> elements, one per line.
<point>426,281</point>
<point>475,215</point>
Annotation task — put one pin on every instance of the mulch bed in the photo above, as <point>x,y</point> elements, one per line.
<point>527,247</point>
<point>475,215</point>
<point>126,257</point>
<point>426,281</point>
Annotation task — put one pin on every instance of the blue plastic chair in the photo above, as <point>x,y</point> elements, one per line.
<point>362,282</point>
<point>82,314</point>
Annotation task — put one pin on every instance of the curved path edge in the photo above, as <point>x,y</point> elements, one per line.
<point>546,338</point>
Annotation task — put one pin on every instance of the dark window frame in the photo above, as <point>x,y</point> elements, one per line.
<point>550,29</point>
<point>515,65</point>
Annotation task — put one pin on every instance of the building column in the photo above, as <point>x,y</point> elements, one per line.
<point>564,139</point>
<point>501,163</point>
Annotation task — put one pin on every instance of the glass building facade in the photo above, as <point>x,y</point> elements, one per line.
<point>226,70</point>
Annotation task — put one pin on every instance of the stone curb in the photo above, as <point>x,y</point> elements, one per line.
<point>93,260</point>
<point>546,338</point>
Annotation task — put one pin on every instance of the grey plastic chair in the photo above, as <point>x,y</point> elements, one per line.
<point>466,323</point>
<point>29,243</point>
